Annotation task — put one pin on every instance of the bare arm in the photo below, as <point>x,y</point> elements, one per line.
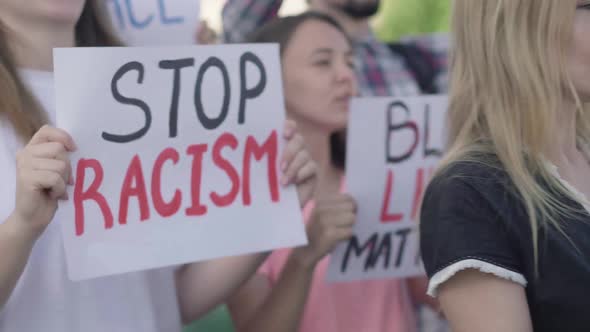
<point>204,285</point>
<point>259,308</point>
<point>43,172</point>
<point>475,301</point>
<point>16,244</point>
<point>281,308</point>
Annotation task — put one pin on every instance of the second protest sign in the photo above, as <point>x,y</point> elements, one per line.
<point>394,145</point>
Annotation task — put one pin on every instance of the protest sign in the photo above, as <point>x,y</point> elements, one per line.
<point>177,160</point>
<point>155,22</point>
<point>394,145</point>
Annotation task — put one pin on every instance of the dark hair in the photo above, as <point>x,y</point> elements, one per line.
<point>16,101</point>
<point>93,28</point>
<point>281,31</point>
<point>338,149</point>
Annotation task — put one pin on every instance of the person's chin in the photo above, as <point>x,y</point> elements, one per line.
<point>342,107</point>
<point>340,120</point>
<point>64,11</point>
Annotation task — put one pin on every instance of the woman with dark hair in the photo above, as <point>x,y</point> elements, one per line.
<point>289,292</point>
<point>35,293</point>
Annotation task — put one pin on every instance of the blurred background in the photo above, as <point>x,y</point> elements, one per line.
<point>396,18</point>
<point>211,10</point>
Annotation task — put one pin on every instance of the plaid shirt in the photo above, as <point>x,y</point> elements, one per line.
<point>380,71</point>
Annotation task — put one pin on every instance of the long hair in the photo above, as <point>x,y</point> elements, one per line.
<point>17,104</point>
<point>508,83</point>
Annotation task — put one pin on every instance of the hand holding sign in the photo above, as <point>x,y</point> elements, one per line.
<point>331,223</point>
<point>43,171</point>
<point>297,165</point>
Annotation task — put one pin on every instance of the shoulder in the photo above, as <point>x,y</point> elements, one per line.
<point>471,219</point>
<point>482,179</point>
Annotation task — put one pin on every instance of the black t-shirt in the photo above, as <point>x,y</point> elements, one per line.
<point>472,218</point>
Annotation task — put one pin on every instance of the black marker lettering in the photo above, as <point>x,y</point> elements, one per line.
<point>177,66</point>
<point>212,123</point>
<point>392,128</point>
<point>428,151</point>
<point>254,92</point>
<point>129,101</point>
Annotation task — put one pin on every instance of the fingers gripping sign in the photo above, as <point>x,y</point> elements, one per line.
<point>199,180</point>
<point>297,166</point>
<point>43,172</point>
<point>332,223</point>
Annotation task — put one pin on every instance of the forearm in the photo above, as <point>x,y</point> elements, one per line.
<point>203,286</point>
<point>16,244</point>
<point>242,17</point>
<point>283,309</point>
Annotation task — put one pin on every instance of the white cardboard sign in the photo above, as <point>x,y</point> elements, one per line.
<point>394,145</point>
<point>155,22</point>
<point>177,160</point>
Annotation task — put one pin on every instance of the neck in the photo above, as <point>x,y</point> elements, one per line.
<point>354,27</point>
<point>318,144</point>
<point>563,147</point>
<point>32,42</point>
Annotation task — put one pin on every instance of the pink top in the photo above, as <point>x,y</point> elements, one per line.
<point>366,306</point>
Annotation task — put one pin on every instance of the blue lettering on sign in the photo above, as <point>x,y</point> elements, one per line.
<point>168,20</point>
<point>122,7</point>
<point>137,24</point>
<point>118,12</point>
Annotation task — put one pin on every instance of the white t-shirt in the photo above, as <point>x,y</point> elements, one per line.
<point>45,299</point>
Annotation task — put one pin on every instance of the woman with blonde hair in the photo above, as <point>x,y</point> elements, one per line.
<point>505,224</point>
<point>35,293</point>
